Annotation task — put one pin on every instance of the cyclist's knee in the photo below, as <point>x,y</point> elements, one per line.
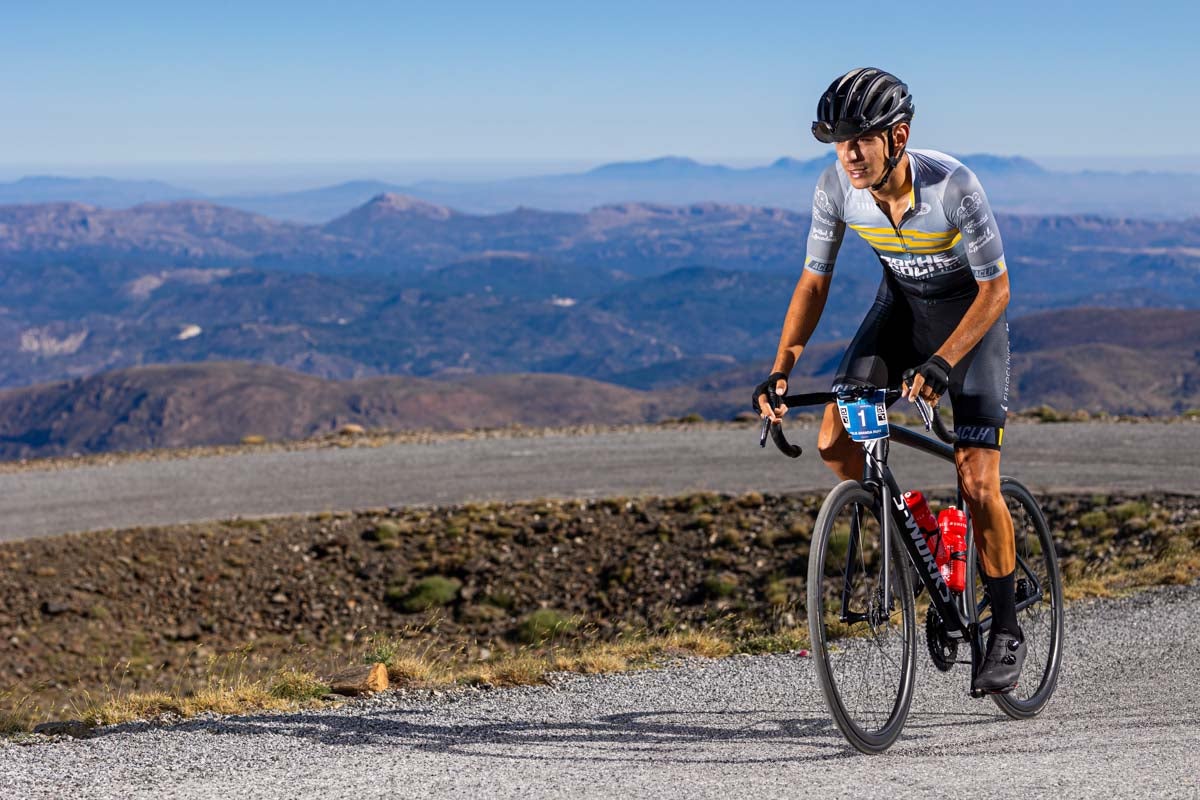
<point>832,442</point>
<point>979,474</point>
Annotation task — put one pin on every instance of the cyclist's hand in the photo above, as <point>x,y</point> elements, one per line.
<point>928,381</point>
<point>760,402</point>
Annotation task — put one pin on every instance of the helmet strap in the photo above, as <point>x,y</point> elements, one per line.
<point>893,158</point>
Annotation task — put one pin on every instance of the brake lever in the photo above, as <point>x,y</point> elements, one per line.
<point>763,432</point>
<point>926,413</point>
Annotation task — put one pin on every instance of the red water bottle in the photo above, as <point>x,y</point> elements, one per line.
<point>929,526</point>
<point>953,524</point>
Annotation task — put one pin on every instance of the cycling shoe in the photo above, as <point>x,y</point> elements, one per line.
<point>1002,664</point>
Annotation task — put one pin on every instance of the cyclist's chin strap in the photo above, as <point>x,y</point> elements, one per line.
<point>892,160</point>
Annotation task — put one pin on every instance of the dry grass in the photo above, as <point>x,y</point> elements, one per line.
<point>414,661</point>
<point>228,690</point>
<point>294,684</point>
<point>1175,568</point>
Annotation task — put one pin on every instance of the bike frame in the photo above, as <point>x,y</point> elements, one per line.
<point>960,618</point>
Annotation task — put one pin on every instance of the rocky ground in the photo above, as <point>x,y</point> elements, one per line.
<point>152,608</point>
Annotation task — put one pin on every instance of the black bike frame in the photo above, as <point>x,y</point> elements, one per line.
<point>960,619</point>
<point>959,625</point>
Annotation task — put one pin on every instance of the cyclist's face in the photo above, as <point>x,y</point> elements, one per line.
<point>865,158</point>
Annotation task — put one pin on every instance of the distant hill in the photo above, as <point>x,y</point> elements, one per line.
<point>1014,185</point>
<point>1126,361</point>
<point>1153,369</point>
<point>107,192</point>
<point>186,232</point>
<point>1129,360</point>
<point>316,205</point>
<point>1154,260</point>
<point>219,403</point>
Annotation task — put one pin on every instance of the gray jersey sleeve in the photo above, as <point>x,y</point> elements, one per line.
<point>828,223</point>
<point>967,209</point>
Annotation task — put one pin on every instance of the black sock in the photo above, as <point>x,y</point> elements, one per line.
<point>1003,596</point>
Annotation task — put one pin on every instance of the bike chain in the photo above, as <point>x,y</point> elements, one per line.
<point>943,650</point>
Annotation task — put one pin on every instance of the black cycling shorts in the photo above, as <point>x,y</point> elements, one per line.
<point>903,331</point>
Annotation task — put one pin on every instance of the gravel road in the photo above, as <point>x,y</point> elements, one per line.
<point>1084,456</point>
<point>1124,723</point>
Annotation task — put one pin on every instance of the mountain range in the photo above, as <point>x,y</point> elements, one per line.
<point>1014,185</point>
<point>1130,361</point>
<point>625,293</point>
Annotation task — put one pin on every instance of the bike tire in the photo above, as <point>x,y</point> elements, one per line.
<point>1042,623</point>
<point>840,649</point>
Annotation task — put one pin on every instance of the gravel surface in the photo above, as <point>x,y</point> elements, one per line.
<point>1123,723</point>
<point>1109,457</point>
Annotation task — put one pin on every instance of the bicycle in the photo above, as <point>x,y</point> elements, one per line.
<point>862,616</point>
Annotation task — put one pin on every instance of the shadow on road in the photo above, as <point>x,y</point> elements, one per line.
<point>658,736</point>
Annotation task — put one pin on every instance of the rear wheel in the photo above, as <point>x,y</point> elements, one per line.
<point>864,644</point>
<point>1039,588</point>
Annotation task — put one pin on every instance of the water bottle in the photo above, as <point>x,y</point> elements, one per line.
<point>929,526</point>
<point>953,524</point>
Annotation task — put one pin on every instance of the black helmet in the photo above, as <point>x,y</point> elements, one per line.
<point>861,101</point>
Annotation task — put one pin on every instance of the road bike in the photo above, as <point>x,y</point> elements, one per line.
<point>869,561</point>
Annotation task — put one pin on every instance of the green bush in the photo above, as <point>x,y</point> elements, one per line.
<point>432,592</point>
<point>717,587</point>
<point>1093,520</point>
<point>543,624</point>
<point>776,592</point>
<point>1049,414</point>
<point>1129,510</point>
<point>383,532</point>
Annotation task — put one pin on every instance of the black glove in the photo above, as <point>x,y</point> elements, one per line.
<point>767,387</point>
<point>935,371</point>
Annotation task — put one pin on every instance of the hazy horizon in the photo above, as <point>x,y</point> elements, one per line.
<point>253,177</point>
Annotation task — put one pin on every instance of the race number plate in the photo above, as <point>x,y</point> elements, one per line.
<point>865,419</point>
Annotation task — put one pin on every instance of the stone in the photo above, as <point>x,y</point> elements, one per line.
<point>361,680</point>
<point>52,609</point>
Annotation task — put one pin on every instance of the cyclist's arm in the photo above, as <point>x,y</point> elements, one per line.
<point>987,307</point>
<point>808,300</point>
<point>968,210</point>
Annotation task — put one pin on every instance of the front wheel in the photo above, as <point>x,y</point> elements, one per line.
<point>1039,589</point>
<point>864,644</point>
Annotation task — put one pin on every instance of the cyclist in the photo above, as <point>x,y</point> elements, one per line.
<point>938,321</point>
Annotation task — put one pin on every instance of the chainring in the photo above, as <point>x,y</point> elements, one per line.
<point>943,650</point>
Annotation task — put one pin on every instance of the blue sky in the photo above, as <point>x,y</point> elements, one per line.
<point>306,82</point>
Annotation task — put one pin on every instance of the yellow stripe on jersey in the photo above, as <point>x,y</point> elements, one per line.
<point>894,244</point>
<point>874,238</point>
<point>863,229</point>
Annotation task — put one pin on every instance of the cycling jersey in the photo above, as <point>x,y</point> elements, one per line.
<point>945,242</point>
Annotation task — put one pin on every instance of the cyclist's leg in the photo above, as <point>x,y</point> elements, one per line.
<point>839,453</point>
<point>877,355</point>
<point>979,392</point>
<point>979,477</point>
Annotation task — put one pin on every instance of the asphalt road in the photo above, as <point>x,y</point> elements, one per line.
<point>1084,456</point>
<point>1124,723</point>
